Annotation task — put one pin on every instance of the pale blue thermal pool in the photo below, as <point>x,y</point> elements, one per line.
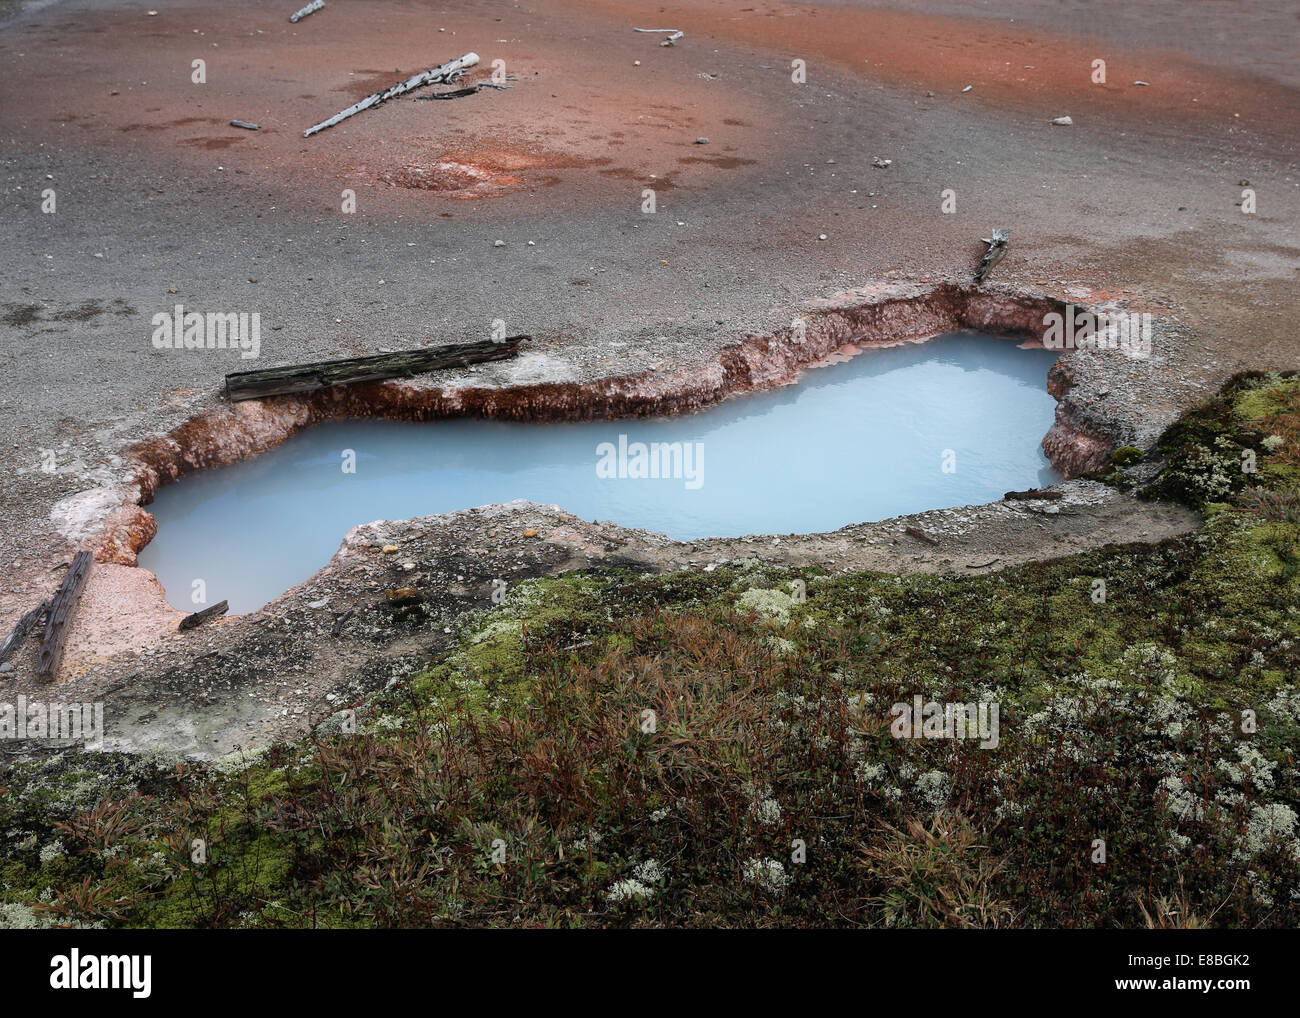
<point>954,421</point>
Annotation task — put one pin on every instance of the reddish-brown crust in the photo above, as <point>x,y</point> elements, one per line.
<point>584,119</point>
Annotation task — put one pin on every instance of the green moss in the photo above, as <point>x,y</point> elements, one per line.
<point>1258,398</point>
<point>1126,455</point>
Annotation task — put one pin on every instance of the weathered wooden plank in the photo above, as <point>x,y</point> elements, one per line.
<point>443,72</point>
<point>62,606</point>
<point>372,368</point>
<point>19,632</point>
<point>920,535</point>
<point>200,617</point>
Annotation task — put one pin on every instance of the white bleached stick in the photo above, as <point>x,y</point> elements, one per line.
<point>311,8</point>
<point>673,34</point>
<point>429,77</point>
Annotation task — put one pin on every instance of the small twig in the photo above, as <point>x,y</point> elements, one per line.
<point>311,8</point>
<point>673,34</point>
<point>245,125</point>
<point>920,535</point>
<point>982,565</point>
<point>341,621</point>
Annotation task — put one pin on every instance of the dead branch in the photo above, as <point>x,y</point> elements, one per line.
<point>444,72</point>
<point>997,249</point>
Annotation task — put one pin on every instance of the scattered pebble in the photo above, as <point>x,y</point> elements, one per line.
<point>701,141</point>
<point>1062,121</point>
<point>880,164</point>
<point>968,88</point>
<point>530,532</point>
<point>498,243</point>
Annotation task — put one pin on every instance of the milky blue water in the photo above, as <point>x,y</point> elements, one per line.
<point>955,421</point>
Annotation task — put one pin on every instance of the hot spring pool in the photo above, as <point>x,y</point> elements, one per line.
<point>953,421</point>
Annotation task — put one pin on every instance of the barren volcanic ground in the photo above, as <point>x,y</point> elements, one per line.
<point>526,205</point>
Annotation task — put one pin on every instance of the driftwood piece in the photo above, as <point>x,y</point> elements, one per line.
<point>200,617</point>
<point>1032,493</point>
<point>997,248</point>
<point>920,535</point>
<point>60,614</point>
<point>311,8</point>
<point>373,368</point>
<point>19,632</point>
<point>444,72</point>
<point>245,125</point>
<point>341,621</point>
